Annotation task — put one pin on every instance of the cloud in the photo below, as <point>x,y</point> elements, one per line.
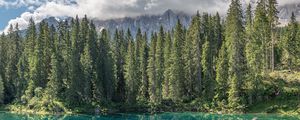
<point>106,9</point>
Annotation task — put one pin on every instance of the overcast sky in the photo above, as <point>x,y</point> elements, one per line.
<point>20,11</point>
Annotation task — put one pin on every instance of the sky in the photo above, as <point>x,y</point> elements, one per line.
<point>20,11</point>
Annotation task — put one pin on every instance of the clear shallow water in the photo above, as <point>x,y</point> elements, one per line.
<point>163,116</point>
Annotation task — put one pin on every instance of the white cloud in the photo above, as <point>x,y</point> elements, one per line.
<point>106,9</point>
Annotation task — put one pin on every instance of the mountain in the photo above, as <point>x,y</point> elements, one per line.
<point>147,23</point>
<point>152,23</point>
<point>285,12</point>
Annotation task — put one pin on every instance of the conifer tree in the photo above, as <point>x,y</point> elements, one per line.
<point>30,44</point>
<point>234,35</point>
<point>144,53</point>
<point>36,64</point>
<point>273,22</point>
<point>151,68</point>
<point>76,73</point>
<point>195,34</point>
<point>177,86</point>
<point>256,51</point>
<point>167,65</point>
<point>55,85</point>
<point>105,62</point>
<point>11,69</point>
<point>221,95</point>
<point>3,63</point>
<point>118,48</point>
<point>159,65</point>
<point>291,43</point>
<point>1,91</point>
<point>88,61</point>
<point>188,60</point>
<point>131,71</point>
<point>207,69</point>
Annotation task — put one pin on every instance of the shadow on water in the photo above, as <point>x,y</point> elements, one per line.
<point>162,116</point>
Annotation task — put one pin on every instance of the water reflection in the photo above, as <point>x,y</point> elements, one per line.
<point>163,116</point>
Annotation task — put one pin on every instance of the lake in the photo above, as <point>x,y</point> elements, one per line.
<point>162,116</point>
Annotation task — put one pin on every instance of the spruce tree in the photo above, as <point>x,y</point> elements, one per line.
<point>105,64</point>
<point>195,34</point>
<point>55,85</point>
<point>221,94</point>
<point>151,68</point>
<point>144,54</point>
<point>3,62</point>
<point>88,61</point>
<point>167,65</point>
<point>207,69</point>
<point>273,22</point>
<point>234,37</point>
<point>256,51</point>
<point>131,71</point>
<point>159,65</point>
<point>119,59</point>
<point>11,69</point>
<point>177,85</point>
<point>1,91</point>
<point>76,80</point>
<point>291,43</point>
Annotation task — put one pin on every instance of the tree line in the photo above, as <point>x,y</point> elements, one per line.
<point>215,62</point>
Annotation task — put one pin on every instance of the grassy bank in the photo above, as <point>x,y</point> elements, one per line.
<point>287,100</point>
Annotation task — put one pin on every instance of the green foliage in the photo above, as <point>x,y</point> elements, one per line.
<point>131,71</point>
<point>143,94</point>
<point>208,67</point>
<point>177,85</point>
<point>234,37</point>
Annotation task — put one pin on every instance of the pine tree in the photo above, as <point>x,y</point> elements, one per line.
<point>105,64</point>
<point>256,51</point>
<point>28,54</point>
<point>11,69</point>
<point>48,45</point>
<point>36,65</point>
<point>3,61</point>
<point>75,91</point>
<point>291,42</point>
<point>137,49</point>
<point>249,23</point>
<point>144,53</point>
<point>273,20</point>
<point>152,68</point>
<point>119,49</point>
<point>131,71</point>
<point>234,37</point>
<point>23,77</point>
<point>177,86</point>
<point>1,91</point>
<point>195,34</point>
<point>167,65</point>
<point>159,66</point>
<point>188,59</point>
<point>55,85</point>
<point>207,69</point>
<point>221,95</point>
<point>261,36</point>
<point>88,61</point>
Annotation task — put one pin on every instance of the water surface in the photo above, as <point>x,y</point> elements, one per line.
<point>162,116</point>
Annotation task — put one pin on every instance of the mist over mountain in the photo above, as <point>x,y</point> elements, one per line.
<point>286,10</point>
<point>147,23</point>
<point>168,19</point>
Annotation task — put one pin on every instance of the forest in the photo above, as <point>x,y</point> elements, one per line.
<point>213,65</point>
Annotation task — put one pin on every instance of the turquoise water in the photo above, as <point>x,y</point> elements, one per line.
<point>163,116</point>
